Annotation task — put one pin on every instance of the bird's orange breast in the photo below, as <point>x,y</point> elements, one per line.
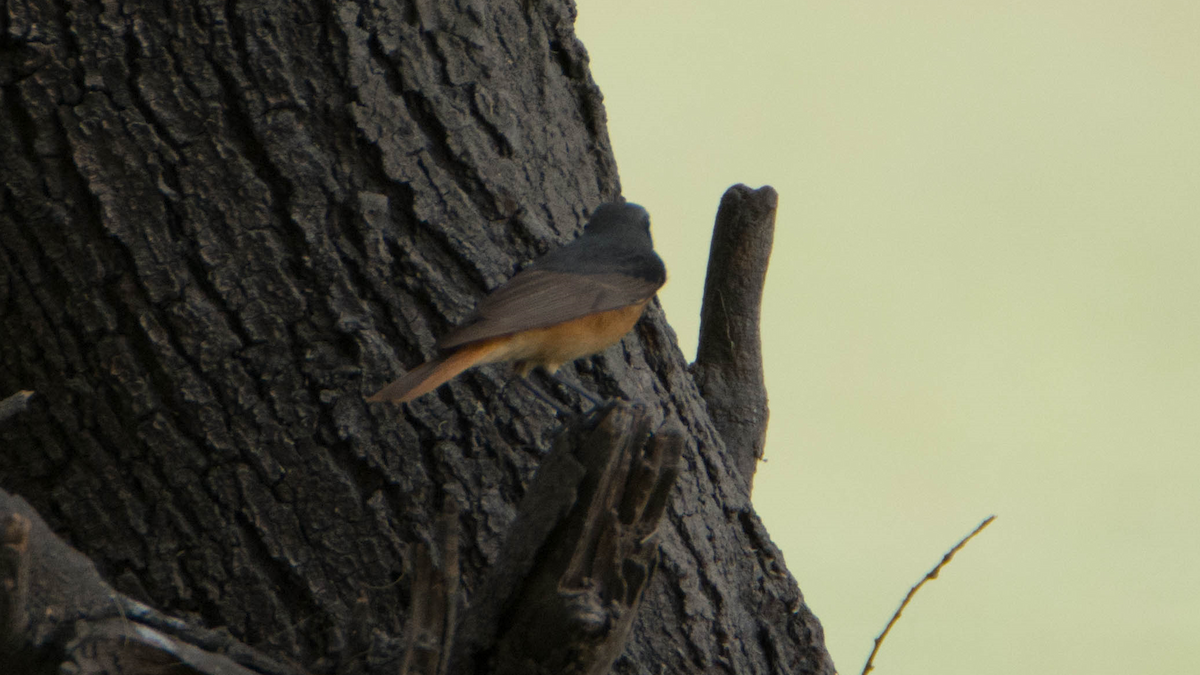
<point>552,346</point>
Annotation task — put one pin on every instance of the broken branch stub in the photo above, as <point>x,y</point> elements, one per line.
<point>728,368</point>
<point>565,591</point>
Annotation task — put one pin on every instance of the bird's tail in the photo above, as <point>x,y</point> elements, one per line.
<point>432,374</point>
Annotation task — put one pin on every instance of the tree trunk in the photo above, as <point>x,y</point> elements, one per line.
<point>223,223</point>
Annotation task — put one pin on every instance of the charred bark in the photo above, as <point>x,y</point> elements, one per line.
<point>222,224</point>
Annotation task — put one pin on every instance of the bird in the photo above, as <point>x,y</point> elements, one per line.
<point>574,301</point>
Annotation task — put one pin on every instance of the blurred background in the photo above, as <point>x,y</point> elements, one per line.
<point>984,298</point>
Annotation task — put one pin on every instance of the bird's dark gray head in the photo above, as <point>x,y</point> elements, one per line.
<point>623,219</point>
<point>615,241</point>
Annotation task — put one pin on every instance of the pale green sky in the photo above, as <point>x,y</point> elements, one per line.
<point>984,298</point>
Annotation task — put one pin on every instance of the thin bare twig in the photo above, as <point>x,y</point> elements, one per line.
<point>913,591</point>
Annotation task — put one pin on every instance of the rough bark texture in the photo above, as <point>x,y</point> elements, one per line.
<point>223,223</point>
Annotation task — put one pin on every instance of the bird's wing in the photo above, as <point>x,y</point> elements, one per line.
<point>537,298</point>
